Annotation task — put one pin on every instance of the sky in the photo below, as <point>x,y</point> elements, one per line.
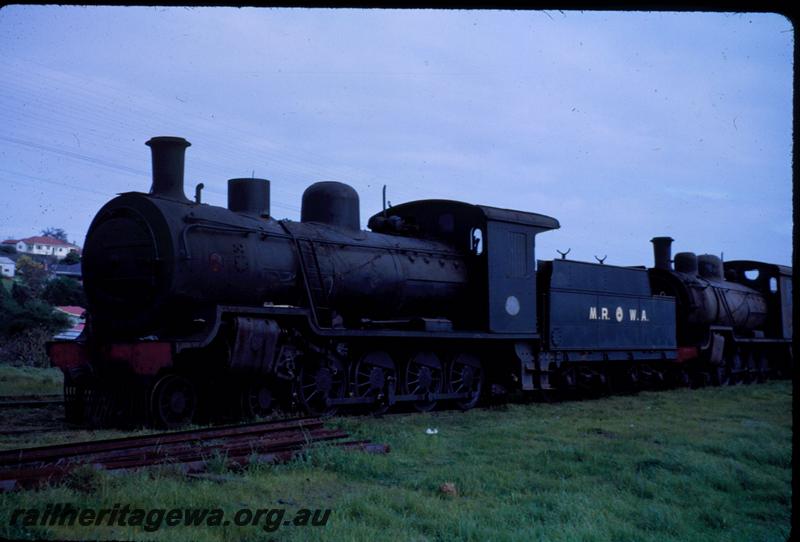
<point>622,125</point>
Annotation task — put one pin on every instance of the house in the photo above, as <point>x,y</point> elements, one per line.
<point>43,245</point>
<point>64,270</point>
<point>76,318</point>
<point>7,267</point>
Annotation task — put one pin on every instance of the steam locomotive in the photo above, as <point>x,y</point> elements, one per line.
<point>196,309</point>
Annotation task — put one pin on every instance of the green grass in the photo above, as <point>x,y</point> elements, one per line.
<point>15,380</point>
<point>711,464</point>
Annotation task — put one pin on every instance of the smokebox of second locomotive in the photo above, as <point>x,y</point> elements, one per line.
<point>331,203</point>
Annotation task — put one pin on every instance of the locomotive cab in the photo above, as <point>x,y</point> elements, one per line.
<point>498,246</point>
<point>774,283</point>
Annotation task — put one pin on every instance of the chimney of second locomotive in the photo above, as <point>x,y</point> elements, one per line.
<point>168,160</point>
<point>249,196</point>
<point>662,252</point>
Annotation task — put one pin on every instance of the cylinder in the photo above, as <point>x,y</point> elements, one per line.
<point>331,203</point>
<point>686,262</point>
<point>662,252</point>
<point>710,266</point>
<point>168,161</point>
<point>249,196</point>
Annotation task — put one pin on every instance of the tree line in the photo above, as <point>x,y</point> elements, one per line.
<point>28,318</point>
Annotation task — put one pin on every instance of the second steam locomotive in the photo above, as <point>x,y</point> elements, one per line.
<point>196,309</point>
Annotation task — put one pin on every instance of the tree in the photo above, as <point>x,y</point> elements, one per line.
<point>35,313</point>
<point>64,291</point>
<point>72,258</point>
<point>33,275</point>
<point>57,233</point>
<point>26,327</point>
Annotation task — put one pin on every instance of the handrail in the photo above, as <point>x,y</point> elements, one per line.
<point>303,272</point>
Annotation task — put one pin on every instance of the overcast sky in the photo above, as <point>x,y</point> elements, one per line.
<point>622,126</point>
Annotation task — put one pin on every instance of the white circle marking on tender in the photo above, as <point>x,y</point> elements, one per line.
<point>512,305</point>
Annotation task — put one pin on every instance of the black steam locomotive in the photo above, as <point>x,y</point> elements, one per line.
<point>196,309</point>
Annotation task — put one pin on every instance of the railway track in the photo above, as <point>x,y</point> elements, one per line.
<point>190,450</point>
<point>30,401</point>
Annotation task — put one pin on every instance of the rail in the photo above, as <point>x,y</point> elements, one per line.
<point>190,450</point>
<point>30,401</point>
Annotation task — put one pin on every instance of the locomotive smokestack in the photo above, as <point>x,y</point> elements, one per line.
<point>168,158</point>
<point>662,252</point>
<point>249,196</point>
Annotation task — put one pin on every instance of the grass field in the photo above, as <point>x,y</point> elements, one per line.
<point>29,380</point>
<point>710,464</point>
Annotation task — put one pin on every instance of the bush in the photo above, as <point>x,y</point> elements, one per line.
<point>33,275</point>
<point>71,259</point>
<point>17,318</point>
<point>28,347</point>
<point>64,291</point>
<point>22,293</point>
<point>25,328</point>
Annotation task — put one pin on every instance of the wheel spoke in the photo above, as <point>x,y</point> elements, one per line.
<point>364,385</point>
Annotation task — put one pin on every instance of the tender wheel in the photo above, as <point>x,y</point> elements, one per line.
<point>644,376</point>
<point>701,379</point>
<point>681,378</point>
<point>257,399</point>
<point>375,376</point>
<point>780,362</point>
<point>465,375</point>
<point>423,374</point>
<point>762,363</point>
<point>321,378</point>
<point>568,378</point>
<point>721,376</point>
<point>174,401</point>
<point>736,368</point>
<point>750,373</point>
<point>634,377</point>
<point>591,380</point>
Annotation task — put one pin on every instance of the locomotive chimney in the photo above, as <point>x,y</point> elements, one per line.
<point>168,158</point>
<point>662,252</point>
<point>249,196</point>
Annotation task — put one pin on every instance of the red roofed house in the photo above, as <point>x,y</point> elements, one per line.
<point>44,245</point>
<point>76,319</point>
